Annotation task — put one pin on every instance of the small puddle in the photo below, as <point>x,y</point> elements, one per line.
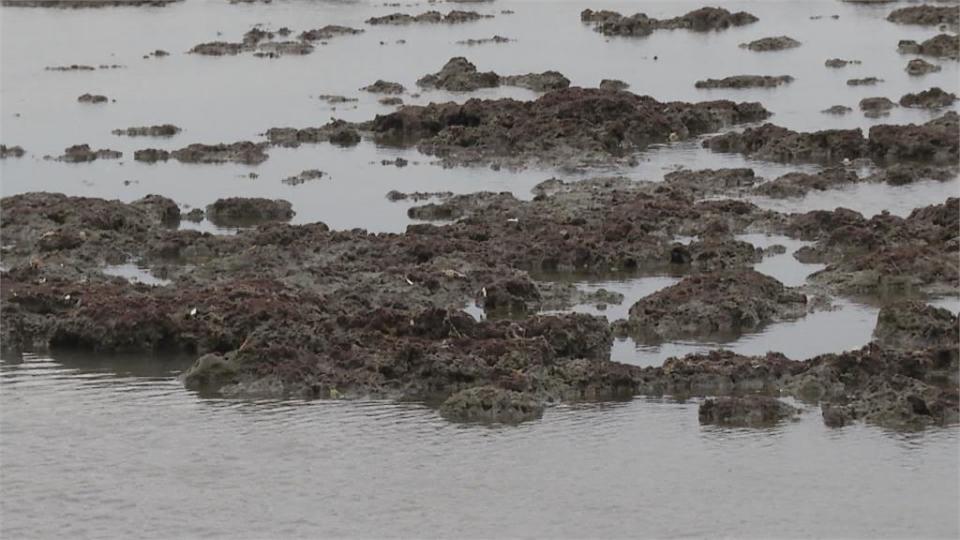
<point>135,274</point>
<point>849,326</point>
<point>632,290</point>
<point>782,266</point>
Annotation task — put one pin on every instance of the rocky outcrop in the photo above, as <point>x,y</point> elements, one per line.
<point>705,19</point>
<point>712,305</point>
<point>934,98</point>
<point>940,46</point>
<point>745,81</point>
<point>934,141</point>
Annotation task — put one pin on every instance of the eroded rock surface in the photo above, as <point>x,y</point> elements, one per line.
<point>571,125</point>
<point>299,310</point>
<point>934,141</point>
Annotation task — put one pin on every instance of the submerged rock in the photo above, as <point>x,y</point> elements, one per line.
<point>745,81</point>
<point>304,177</point>
<point>919,66</point>
<point>246,211</point>
<point>490,404</point>
<point>71,67</point>
<point>613,84</point>
<point>453,17</point>
<point>839,63</point>
<point>165,130</point>
<point>330,98</point>
<point>195,216</point>
<point>261,43</point>
<point>746,411</point>
<point>335,132</point>
<point>538,82</point>
<point>837,109</point>
<point>11,151</point>
<point>244,152</point>
<point>483,41</point>
<point>276,49</point>
<point>92,98</point>
<point>384,87</point>
<point>329,31</point>
<point>876,106</point>
<point>79,153</point>
<point>777,43</point>
<point>705,19</point>
<point>865,81</point>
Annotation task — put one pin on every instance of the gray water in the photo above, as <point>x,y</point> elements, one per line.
<point>100,449</point>
<point>225,99</point>
<point>108,447</point>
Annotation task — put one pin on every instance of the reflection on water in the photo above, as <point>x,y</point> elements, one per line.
<point>126,454</point>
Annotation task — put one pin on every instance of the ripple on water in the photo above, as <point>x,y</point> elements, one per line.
<point>169,450</point>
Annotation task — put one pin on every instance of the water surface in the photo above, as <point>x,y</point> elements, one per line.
<point>103,446</point>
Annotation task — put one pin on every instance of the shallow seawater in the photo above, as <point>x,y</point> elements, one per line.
<point>226,99</point>
<point>116,449</point>
<point>114,446</point>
